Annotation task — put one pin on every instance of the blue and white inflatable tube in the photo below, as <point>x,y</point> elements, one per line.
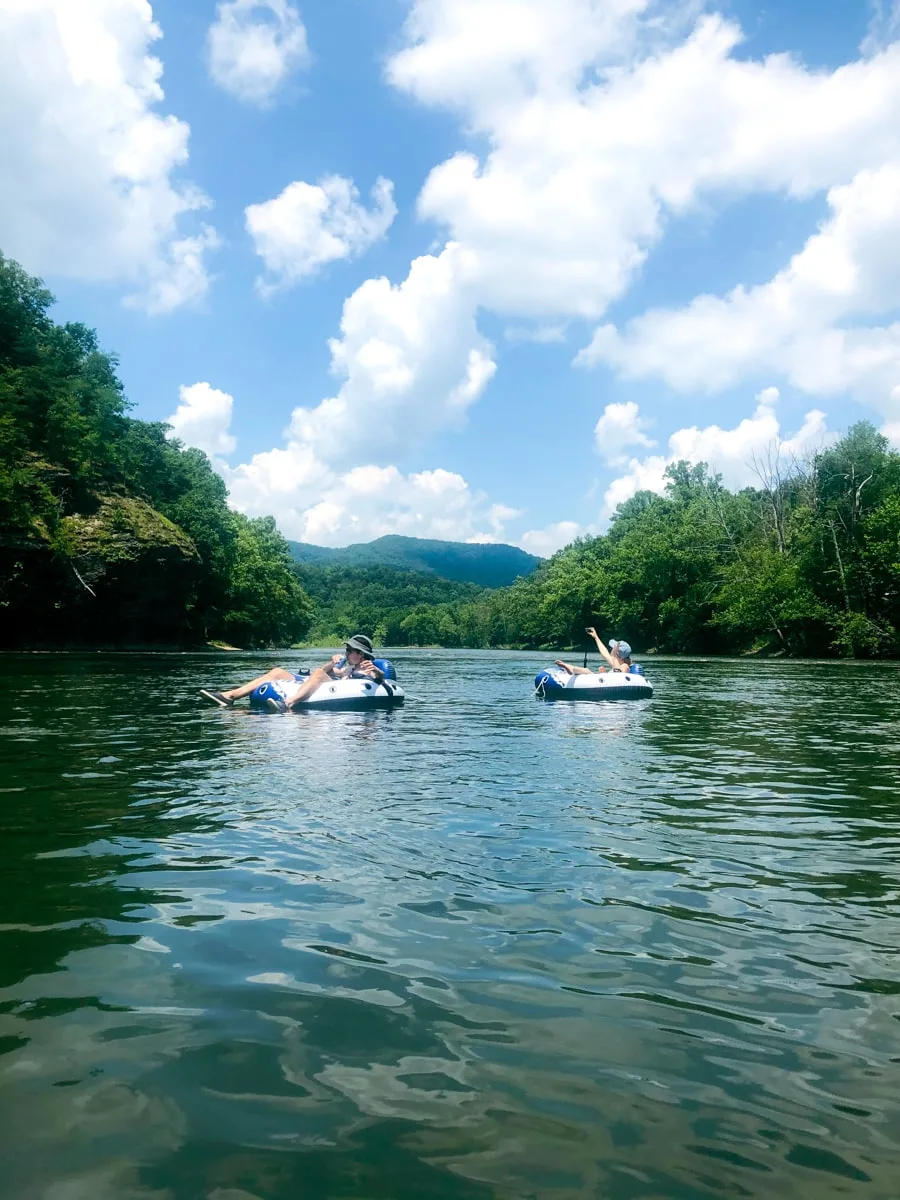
<point>556,684</point>
<point>358,693</point>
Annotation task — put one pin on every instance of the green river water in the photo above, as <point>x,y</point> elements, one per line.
<point>484,946</point>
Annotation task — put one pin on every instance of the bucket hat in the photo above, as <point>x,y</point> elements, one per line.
<point>360,642</point>
<point>621,648</point>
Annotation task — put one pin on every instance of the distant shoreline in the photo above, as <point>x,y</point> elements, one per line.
<point>211,651</point>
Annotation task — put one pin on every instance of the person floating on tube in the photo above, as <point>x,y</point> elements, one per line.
<point>618,656</point>
<point>355,661</point>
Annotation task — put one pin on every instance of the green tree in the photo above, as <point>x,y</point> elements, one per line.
<point>109,530</point>
<point>266,604</point>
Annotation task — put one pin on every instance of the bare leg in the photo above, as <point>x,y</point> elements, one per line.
<point>319,676</point>
<point>277,673</point>
<point>567,667</point>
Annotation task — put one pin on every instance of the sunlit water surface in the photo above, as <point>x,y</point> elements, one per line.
<point>484,946</point>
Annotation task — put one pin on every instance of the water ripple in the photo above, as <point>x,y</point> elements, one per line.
<point>480,947</point>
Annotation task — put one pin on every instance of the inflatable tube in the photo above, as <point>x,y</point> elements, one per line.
<point>355,694</point>
<point>556,684</point>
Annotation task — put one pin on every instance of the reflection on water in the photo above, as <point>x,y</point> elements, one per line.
<point>483,946</point>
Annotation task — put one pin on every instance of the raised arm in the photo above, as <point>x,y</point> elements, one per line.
<point>603,650</point>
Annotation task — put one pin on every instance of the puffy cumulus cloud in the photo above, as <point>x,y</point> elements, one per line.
<point>413,363</point>
<point>619,427</point>
<point>643,475</point>
<point>88,184</point>
<point>284,482</point>
<point>368,502</point>
<point>309,225</point>
<point>314,504</point>
<point>179,277</point>
<point>203,419</point>
<point>547,541</point>
<point>312,501</point>
<point>735,453</point>
<point>807,323</point>
<point>602,117</point>
<point>484,58</point>
<point>253,46</point>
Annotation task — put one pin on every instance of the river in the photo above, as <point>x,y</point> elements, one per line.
<point>480,947</point>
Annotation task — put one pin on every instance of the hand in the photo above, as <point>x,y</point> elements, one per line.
<point>336,658</point>
<point>591,630</point>
<point>367,667</point>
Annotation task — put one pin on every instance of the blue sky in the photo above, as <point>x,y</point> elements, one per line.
<point>608,234</point>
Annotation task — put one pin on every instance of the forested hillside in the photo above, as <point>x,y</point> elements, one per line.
<point>808,563</point>
<point>110,533</point>
<point>484,563</point>
<point>381,601</point>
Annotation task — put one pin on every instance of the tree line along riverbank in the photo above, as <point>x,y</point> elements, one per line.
<point>111,533</point>
<point>805,564</point>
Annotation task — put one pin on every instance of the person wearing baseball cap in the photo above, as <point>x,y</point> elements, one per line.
<point>356,660</point>
<point>618,655</point>
<point>619,649</point>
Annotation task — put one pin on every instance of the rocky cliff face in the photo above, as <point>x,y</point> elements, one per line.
<point>105,575</point>
<point>123,533</point>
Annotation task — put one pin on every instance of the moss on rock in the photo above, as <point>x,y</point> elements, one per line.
<point>123,529</point>
<point>123,544</point>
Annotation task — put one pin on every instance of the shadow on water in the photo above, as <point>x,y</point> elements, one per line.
<point>482,946</point>
<point>78,810</point>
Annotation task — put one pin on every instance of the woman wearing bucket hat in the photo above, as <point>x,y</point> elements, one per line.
<point>356,660</point>
<point>618,656</point>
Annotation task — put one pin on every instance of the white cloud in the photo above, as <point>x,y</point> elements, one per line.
<point>88,165</point>
<point>329,508</point>
<point>203,419</point>
<point>437,503</point>
<point>619,427</point>
<point>309,225</point>
<point>314,502</point>
<point>486,57</point>
<point>732,453</point>
<point>413,363</point>
<point>601,119</point>
<point>178,279</point>
<point>805,323</point>
<point>254,46</point>
<point>547,541</point>
<point>647,475</point>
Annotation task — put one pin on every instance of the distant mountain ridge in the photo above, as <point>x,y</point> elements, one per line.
<point>489,564</point>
